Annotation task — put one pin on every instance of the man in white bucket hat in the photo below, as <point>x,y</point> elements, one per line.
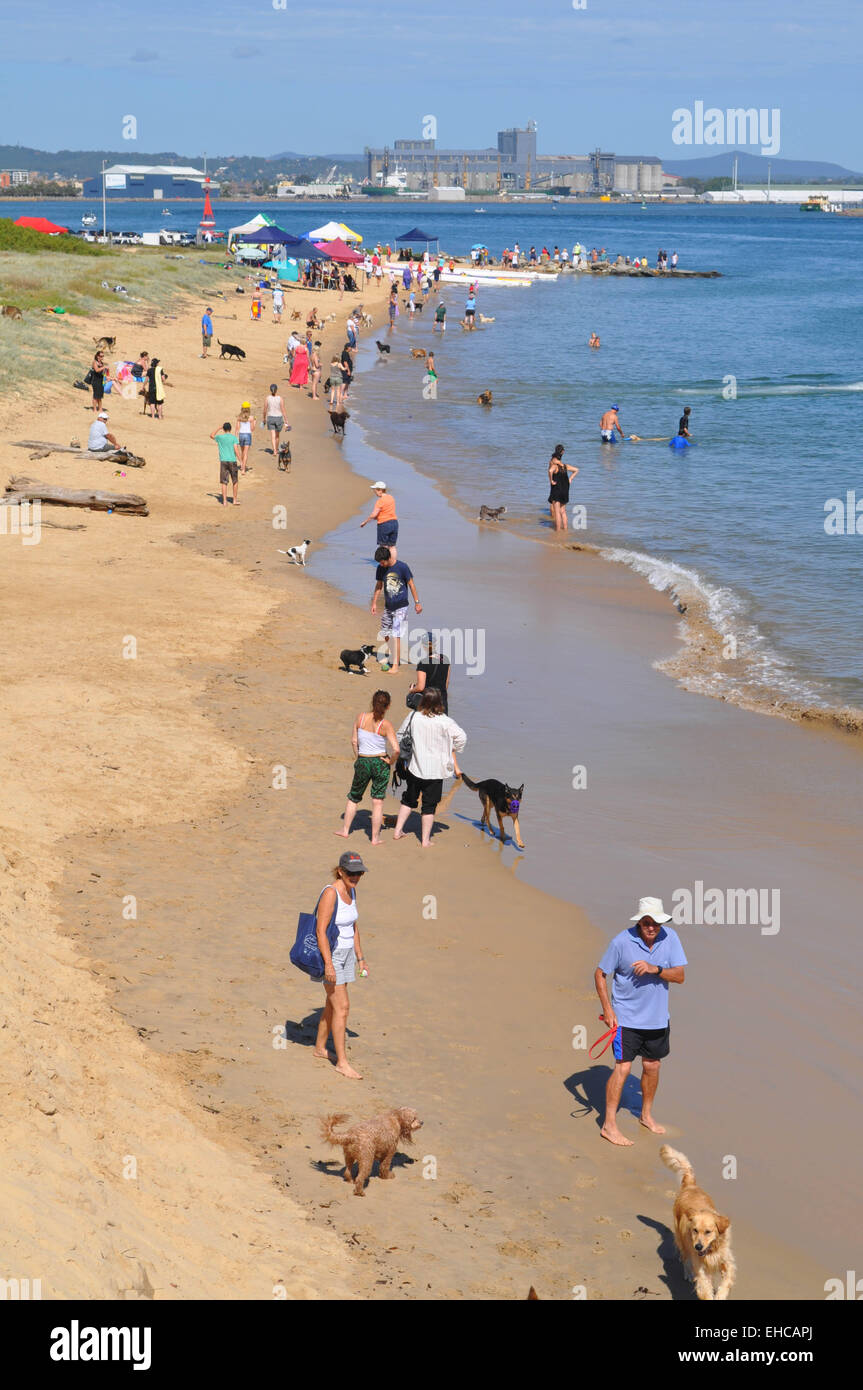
<point>643,961</point>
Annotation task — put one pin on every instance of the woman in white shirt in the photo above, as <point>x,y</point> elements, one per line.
<point>338,905</point>
<point>436,739</point>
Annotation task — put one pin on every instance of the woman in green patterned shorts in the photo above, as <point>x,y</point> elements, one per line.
<point>375,750</point>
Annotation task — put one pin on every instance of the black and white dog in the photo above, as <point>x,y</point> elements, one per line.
<point>357,658</point>
<point>297,553</point>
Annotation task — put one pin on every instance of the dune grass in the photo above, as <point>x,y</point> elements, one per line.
<point>40,345</point>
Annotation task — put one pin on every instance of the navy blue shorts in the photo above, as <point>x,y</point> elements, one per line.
<point>388,532</point>
<point>650,1043</point>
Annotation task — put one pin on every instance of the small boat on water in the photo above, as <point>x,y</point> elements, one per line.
<point>816,202</point>
<point>479,209</point>
<point>89,219</point>
<point>166,212</point>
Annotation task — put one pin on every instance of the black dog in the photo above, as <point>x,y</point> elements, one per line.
<point>382,347</point>
<point>229,350</point>
<point>358,658</point>
<point>285,457</point>
<point>339,417</point>
<point>505,801</point>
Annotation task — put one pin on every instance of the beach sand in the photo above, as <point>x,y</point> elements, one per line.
<point>145,785</point>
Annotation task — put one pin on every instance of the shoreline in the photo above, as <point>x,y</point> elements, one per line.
<point>441,988</point>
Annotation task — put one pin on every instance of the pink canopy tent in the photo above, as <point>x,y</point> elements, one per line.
<point>338,251</point>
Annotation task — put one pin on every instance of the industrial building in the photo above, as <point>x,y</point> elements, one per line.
<point>512,165</point>
<point>157,181</point>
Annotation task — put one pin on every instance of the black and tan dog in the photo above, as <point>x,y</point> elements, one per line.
<point>503,799</point>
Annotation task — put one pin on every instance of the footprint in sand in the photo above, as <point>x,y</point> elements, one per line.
<point>584,1181</point>
<point>606,1220</point>
<point>624,1235</point>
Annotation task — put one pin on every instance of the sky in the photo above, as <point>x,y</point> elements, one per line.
<point>246,77</point>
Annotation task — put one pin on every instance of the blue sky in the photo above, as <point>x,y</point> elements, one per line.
<point>243,77</point>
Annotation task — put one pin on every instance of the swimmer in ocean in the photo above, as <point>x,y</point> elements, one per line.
<point>593,340</point>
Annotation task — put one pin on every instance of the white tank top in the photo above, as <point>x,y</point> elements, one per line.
<point>370,742</point>
<point>346,916</point>
<point>274,405</point>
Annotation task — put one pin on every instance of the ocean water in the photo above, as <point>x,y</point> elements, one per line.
<point>767,357</point>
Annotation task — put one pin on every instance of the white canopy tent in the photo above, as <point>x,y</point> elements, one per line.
<point>334,231</point>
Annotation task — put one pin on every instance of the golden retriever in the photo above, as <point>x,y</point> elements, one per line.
<point>701,1234</point>
<point>377,1138</point>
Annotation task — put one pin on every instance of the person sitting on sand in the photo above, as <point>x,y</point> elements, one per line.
<point>338,905</point>
<point>683,426</point>
<point>643,961</point>
<point>375,751</point>
<point>608,424</point>
<point>99,441</point>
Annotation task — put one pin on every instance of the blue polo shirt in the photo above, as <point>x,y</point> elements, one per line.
<point>641,1001</point>
<point>207,325</point>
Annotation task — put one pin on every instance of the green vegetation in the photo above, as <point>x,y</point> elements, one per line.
<point>14,238</point>
<point>46,346</point>
<point>41,188</point>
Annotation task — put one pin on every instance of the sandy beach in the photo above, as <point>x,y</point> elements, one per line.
<point>162,1102</point>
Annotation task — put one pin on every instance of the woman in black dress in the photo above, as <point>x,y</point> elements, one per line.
<point>560,475</point>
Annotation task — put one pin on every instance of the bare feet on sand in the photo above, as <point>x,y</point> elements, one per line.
<point>649,1123</point>
<point>614,1136</point>
<point>321,1056</point>
<point>342,834</point>
<point>347,1070</point>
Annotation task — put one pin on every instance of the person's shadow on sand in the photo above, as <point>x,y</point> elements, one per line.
<point>305,1032</point>
<point>672,1277</point>
<point>588,1089</point>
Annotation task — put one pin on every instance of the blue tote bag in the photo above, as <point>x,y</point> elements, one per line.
<point>305,952</point>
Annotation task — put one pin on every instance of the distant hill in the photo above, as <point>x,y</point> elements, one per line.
<point>752,168</point>
<point>85,164</point>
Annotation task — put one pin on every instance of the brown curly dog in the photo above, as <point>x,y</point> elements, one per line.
<point>377,1138</point>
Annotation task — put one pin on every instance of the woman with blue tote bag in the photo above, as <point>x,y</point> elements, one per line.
<point>338,906</point>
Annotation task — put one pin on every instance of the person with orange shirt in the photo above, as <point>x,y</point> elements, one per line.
<point>384,513</point>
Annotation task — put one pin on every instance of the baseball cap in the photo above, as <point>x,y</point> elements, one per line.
<point>615,407</point>
<point>209,308</point>
<point>103,415</point>
<point>378,484</point>
<point>247,405</point>
<point>352,863</point>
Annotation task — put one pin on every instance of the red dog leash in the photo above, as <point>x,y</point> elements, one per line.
<point>609,1035</point>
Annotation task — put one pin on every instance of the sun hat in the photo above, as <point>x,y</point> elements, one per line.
<point>648,907</point>
<point>378,484</point>
<point>351,862</point>
<point>246,405</point>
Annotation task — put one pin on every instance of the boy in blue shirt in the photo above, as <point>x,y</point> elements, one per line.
<point>643,961</point>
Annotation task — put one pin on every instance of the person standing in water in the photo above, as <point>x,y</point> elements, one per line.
<point>608,424</point>
<point>560,475</point>
<point>683,425</point>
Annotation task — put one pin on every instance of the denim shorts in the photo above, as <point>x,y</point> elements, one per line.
<point>388,532</point>
<point>345,960</point>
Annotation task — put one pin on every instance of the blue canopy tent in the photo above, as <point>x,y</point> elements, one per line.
<point>417,237</point>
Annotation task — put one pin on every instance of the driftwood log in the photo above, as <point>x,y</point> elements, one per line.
<point>30,490</point>
<point>114,456</point>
